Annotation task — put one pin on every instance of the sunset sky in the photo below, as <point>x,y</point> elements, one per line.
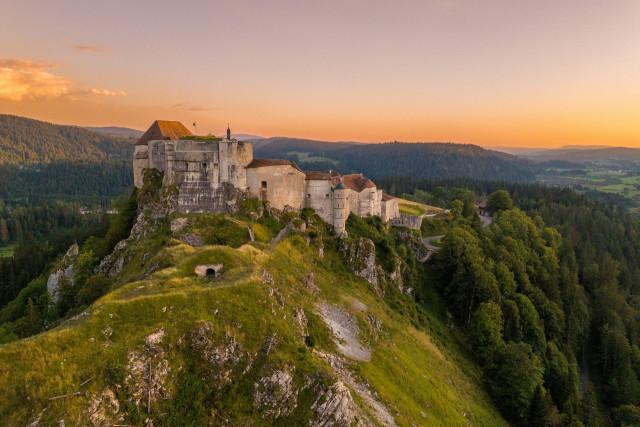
<point>508,72</point>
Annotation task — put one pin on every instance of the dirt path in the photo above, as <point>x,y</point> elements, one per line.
<point>431,249</point>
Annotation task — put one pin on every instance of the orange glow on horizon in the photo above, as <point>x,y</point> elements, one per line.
<point>497,73</point>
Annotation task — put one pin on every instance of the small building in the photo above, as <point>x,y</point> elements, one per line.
<point>389,208</point>
<point>364,198</point>
<point>280,182</point>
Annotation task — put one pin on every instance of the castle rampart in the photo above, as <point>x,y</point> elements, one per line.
<point>211,174</point>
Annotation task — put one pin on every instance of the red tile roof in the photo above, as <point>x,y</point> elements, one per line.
<point>357,182</point>
<point>386,197</point>
<point>321,175</point>
<point>164,129</point>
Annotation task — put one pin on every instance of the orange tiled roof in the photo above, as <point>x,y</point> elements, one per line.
<point>357,182</point>
<point>321,175</point>
<point>164,129</point>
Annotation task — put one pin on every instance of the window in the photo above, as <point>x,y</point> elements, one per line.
<point>326,196</point>
<point>204,165</point>
<point>308,195</point>
<point>264,184</point>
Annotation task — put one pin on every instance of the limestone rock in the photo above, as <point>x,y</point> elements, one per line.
<point>360,256</point>
<point>222,358</point>
<point>335,407</point>
<point>104,409</point>
<point>147,372</point>
<point>66,270</point>
<point>345,330</point>
<point>275,395</point>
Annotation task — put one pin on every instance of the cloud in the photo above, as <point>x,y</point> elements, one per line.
<point>24,79</point>
<point>107,92</point>
<point>90,48</point>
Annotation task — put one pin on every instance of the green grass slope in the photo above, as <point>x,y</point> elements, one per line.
<point>247,348</point>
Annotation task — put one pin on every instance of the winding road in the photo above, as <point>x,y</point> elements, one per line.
<point>431,249</point>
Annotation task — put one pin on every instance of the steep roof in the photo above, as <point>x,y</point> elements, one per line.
<point>357,182</point>
<point>261,163</point>
<point>164,129</point>
<point>386,197</point>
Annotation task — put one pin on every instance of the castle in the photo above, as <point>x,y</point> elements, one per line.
<point>211,175</point>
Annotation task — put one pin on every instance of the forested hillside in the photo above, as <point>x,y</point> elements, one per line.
<point>28,141</point>
<point>85,182</point>
<point>286,335</point>
<point>420,160</point>
<point>548,300</point>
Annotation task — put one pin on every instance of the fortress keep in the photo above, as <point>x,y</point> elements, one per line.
<point>211,174</point>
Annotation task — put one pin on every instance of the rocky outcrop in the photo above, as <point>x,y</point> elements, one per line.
<point>360,256</point>
<point>147,372</point>
<point>104,409</point>
<point>368,396</point>
<point>345,329</point>
<point>151,213</point>
<point>221,358</point>
<point>335,407</point>
<point>276,395</point>
<point>64,271</point>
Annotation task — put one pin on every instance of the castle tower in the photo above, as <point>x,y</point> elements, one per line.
<point>340,210</point>
<point>228,132</point>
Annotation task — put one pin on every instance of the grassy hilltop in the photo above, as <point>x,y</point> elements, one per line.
<point>288,335</point>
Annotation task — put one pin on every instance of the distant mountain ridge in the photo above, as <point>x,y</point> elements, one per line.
<point>428,160</point>
<point>587,154</point>
<point>117,131</point>
<point>29,141</point>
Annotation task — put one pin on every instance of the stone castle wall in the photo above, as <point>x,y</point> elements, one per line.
<point>280,185</point>
<point>209,175</point>
<point>212,176</point>
<point>318,195</point>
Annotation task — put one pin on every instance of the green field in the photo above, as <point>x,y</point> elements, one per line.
<point>625,183</point>
<point>307,158</point>
<point>7,251</point>
<point>409,207</point>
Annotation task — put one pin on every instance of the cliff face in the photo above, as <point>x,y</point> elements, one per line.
<point>286,335</point>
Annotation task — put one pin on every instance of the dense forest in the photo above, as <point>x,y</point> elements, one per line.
<point>420,160</point>
<point>25,305</point>
<point>548,298</point>
<point>88,183</point>
<point>27,141</point>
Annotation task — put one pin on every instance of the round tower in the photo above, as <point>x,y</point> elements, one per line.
<point>340,212</point>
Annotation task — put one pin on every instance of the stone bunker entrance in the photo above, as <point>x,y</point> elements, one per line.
<point>210,271</point>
